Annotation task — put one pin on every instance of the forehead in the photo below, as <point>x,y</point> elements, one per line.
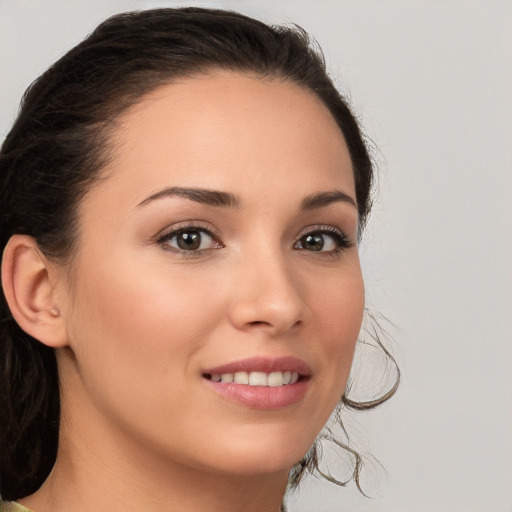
<point>227,130</point>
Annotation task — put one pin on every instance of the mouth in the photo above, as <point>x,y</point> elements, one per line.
<point>261,383</point>
<point>273,379</point>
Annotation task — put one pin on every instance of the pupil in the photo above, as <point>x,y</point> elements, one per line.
<point>313,242</point>
<point>189,241</point>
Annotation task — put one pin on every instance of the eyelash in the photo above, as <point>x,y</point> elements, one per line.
<point>188,228</point>
<point>341,240</point>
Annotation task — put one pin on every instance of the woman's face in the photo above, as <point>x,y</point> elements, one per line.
<point>221,245</point>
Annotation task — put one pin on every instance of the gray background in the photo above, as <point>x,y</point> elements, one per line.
<point>432,84</point>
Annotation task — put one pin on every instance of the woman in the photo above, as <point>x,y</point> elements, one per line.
<point>182,196</point>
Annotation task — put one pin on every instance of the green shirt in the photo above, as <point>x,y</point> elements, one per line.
<point>12,506</point>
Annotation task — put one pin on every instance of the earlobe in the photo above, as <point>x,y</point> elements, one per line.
<point>30,291</point>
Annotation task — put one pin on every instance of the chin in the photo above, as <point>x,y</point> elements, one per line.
<point>261,454</point>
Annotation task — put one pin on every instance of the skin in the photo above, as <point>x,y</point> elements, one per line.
<point>143,319</point>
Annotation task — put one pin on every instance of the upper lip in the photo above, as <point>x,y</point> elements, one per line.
<point>263,364</point>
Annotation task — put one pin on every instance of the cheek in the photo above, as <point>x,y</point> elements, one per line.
<point>339,310</point>
<point>139,327</point>
<point>145,298</point>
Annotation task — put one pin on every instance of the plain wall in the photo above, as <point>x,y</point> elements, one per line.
<point>431,82</point>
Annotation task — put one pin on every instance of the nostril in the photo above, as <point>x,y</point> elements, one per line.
<point>258,322</point>
<point>261,323</point>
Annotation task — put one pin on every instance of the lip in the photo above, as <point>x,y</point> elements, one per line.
<point>262,397</point>
<point>264,364</point>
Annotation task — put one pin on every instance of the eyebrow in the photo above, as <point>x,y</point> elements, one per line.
<point>229,200</point>
<point>320,199</point>
<point>200,195</point>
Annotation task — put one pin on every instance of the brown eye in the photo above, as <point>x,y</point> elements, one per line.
<point>312,242</point>
<point>189,240</point>
<point>324,240</point>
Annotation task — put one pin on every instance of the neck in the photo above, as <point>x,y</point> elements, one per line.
<point>124,485</point>
<point>94,473</point>
<point>88,492</point>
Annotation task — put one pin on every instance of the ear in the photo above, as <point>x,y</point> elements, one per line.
<point>29,283</point>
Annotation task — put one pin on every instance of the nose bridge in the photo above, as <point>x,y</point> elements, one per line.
<point>269,292</point>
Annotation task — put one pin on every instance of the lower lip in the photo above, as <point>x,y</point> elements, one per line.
<point>261,397</point>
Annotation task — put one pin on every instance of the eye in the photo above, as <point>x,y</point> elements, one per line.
<point>328,239</point>
<point>189,239</point>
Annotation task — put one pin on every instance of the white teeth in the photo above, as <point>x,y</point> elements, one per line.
<point>258,379</point>
<point>241,378</point>
<point>273,379</point>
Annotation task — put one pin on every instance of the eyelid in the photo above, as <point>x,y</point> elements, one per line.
<point>184,225</point>
<point>326,228</point>
<point>342,240</point>
<point>175,229</point>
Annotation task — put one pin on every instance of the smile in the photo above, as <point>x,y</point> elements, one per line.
<point>261,383</point>
<point>273,379</point>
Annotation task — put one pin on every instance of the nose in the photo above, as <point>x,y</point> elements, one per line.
<point>268,298</point>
